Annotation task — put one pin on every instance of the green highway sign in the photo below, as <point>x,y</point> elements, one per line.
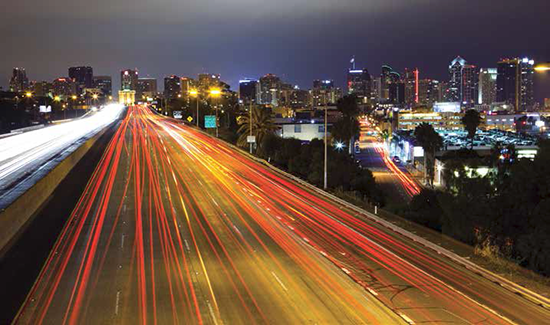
<point>210,121</point>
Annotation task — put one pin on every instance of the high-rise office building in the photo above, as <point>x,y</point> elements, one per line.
<point>324,93</point>
<point>487,86</point>
<point>455,80</point>
<point>463,82</point>
<point>146,88</point>
<point>172,87</point>
<point>105,84</point>
<point>300,98</point>
<point>64,87</point>
<point>128,80</point>
<point>515,83</point>
<point>411,83</point>
<point>470,85</point>
<point>390,86</point>
<point>428,91</point>
<point>41,88</point>
<point>248,91</point>
<point>270,90</point>
<point>82,77</point>
<point>207,81</point>
<point>19,81</point>
<point>359,84</point>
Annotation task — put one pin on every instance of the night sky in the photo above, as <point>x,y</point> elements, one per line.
<point>297,39</point>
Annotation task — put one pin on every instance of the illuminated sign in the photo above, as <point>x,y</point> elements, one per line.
<point>210,121</point>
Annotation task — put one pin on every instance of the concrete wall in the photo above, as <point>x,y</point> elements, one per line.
<point>14,217</point>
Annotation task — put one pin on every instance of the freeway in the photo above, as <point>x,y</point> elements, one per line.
<point>24,155</point>
<point>178,227</point>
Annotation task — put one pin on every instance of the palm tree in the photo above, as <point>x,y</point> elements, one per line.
<point>430,141</point>
<point>471,121</point>
<point>262,125</point>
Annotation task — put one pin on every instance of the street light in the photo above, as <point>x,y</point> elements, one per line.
<point>215,93</point>
<point>195,93</point>
<point>28,94</point>
<point>325,182</point>
<point>95,96</point>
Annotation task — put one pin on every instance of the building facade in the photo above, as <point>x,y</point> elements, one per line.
<point>270,90</point>
<point>105,84</point>
<point>83,77</point>
<point>360,84</point>
<point>514,84</point>
<point>487,86</point>
<point>19,81</point>
<point>129,80</point>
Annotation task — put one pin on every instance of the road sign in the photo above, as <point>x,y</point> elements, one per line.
<point>210,121</point>
<point>251,139</point>
<point>190,119</point>
<point>178,114</point>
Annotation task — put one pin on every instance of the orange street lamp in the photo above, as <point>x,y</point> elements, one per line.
<point>28,94</point>
<point>57,99</point>
<point>215,92</point>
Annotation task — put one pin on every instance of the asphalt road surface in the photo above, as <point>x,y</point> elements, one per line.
<point>177,227</point>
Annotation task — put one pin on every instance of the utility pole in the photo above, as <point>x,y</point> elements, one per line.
<point>250,127</point>
<point>197,98</point>
<point>325,184</point>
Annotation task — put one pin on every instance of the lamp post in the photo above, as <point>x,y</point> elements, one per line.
<point>195,93</point>
<point>325,183</point>
<point>250,118</point>
<point>215,93</point>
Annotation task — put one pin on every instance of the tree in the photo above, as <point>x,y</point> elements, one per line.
<point>262,125</point>
<point>471,121</point>
<point>347,127</point>
<point>430,141</point>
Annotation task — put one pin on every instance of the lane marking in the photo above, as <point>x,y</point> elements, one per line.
<point>406,318</point>
<point>122,242</point>
<point>279,280</point>
<point>187,245</point>
<point>117,301</point>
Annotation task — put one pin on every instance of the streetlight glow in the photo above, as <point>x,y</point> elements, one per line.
<point>57,98</point>
<point>28,94</point>
<point>193,92</point>
<point>215,92</point>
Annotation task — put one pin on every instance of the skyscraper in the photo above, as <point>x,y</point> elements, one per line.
<point>270,90</point>
<point>411,81</point>
<point>128,80</point>
<point>105,84</point>
<point>324,93</point>
<point>172,87</point>
<point>487,86</point>
<point>64,87</point>
<point>428,91</point>
<point>463,82</point>
<point>19,81</point>
<point>146,87</point>
<point>515,82</point>
<point>359,84</point>
<point>469,86</point>
<point>82,77</point>
<point>248,91</point>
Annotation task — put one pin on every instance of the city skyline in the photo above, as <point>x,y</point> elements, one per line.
<point>299,42</point>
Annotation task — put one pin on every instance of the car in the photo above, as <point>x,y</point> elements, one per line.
<point>396,159</point>
<point>357,149</point>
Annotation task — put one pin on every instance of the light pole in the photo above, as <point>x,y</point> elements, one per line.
<point>195,93</point>
<point>325,183</point>
<point>215,93</point>
<point>250,118</point>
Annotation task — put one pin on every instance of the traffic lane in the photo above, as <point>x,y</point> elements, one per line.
<point>264,246</point>
<point>492,295</point>
<point>392,286</point>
